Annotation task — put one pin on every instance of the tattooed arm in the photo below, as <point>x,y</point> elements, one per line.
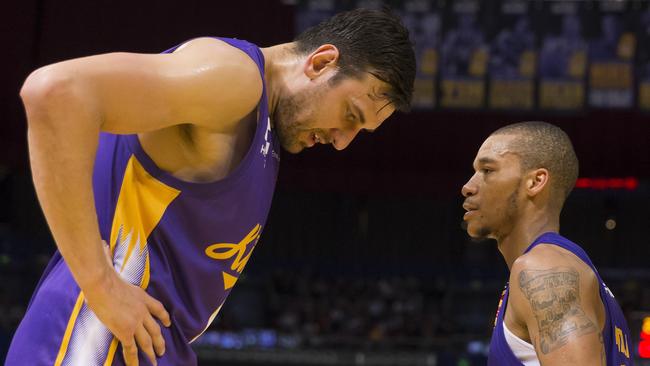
<point>558,301</point>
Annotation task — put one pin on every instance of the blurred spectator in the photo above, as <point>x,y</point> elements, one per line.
<point>564,56</point>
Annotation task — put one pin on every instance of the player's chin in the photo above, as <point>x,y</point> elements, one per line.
<point>475,231</point>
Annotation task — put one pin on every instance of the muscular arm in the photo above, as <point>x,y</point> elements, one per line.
<point>206,83</point>
<point>559,309</point>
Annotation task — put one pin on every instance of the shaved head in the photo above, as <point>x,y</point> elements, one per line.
<point>543,145</point>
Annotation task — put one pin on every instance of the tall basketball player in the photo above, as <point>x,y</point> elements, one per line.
<point>172,159</point>
<point>555,310</point>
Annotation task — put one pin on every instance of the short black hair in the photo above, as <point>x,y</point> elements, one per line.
<point>373,41</point>
<point>543,145</point>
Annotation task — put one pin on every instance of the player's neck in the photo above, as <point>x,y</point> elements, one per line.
<point>279,63</point>
<point>524,232</point>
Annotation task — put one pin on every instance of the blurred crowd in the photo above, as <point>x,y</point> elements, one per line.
<point>397,312</point>
<point>344,309</point>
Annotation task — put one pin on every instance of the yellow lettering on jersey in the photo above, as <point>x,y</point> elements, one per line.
<point>225,251</point>
<point>621,342</point>
<point>228,280</point>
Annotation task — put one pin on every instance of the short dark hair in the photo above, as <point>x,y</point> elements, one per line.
<point>373,41</point>
<point>543,145</point>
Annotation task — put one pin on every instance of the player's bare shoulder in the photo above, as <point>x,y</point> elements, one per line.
<point>548,256</point>
<point>226,75</point>
<point>550,264</point>
<point>556,294</point>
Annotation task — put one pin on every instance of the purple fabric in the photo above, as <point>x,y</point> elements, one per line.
<point>189,283</point>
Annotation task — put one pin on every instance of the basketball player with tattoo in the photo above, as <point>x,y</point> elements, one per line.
<point>555,309</point>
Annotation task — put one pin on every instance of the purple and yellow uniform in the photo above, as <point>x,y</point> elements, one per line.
<point>616,333</point>
<point>184,243</point>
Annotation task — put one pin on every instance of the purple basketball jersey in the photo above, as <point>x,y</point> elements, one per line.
<point>185,243</point>
<point>616,333</point>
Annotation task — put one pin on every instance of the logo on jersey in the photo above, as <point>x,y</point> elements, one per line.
<point>239,251</point>
<point>266,146</point>
<point>621,342</point>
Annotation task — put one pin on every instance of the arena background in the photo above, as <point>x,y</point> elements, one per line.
<point>363,261</point>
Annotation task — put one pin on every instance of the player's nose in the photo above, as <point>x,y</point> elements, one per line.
<point>342,138</point>
<point>469,189</point>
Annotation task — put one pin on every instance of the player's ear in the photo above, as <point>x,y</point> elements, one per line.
<point>322,60</point>
<point>536,181</point>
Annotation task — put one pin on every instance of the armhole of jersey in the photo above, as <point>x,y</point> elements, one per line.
<point>523,351</point>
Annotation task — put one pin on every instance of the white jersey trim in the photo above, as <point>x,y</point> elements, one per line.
<point>524,351</point>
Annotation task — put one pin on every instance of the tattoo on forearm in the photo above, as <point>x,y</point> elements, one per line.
<point>554,295</point>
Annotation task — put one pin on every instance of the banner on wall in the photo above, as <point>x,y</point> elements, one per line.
<point>612,46</point>
<point>643,54</point>
<point>518,54</point>
<point>513,57</point>
<point>562,57</point>
<point>423,18</point>
<point>464,57</point>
